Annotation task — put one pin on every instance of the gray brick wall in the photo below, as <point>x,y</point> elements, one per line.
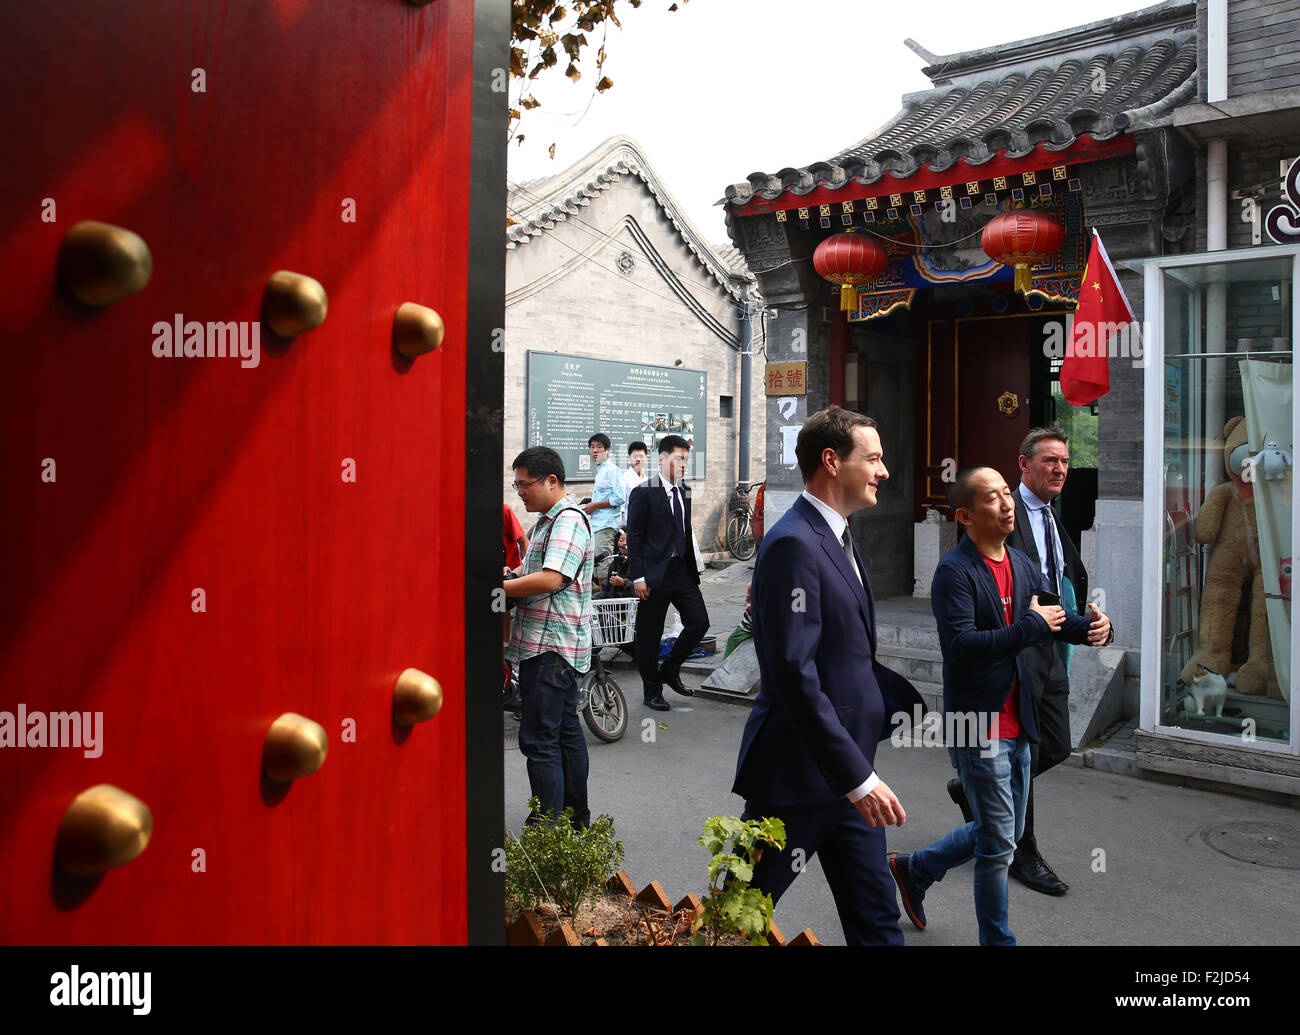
<point>1119,416</point>
<point>565,293</point>
<point>1263,45</point>
<point>1250,167</point>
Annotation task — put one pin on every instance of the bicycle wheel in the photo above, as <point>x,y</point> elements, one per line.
<point>740,537</point>
<point>606,711</point>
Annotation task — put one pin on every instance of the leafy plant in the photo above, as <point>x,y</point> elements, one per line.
<point>736,845</point>
<point>556,862</point>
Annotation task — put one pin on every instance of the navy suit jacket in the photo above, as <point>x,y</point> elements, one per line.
<point>824,702</point>
<point>652,532</point>
<point>981,653</point>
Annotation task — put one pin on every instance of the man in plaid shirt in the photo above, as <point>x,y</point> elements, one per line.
<point>550,635</point>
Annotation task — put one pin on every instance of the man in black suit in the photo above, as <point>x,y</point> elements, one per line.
<point>1044,464</point>
<point>661,564</point>
<point>807,756</point>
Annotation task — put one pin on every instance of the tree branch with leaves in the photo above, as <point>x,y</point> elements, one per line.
<point>559,28</point>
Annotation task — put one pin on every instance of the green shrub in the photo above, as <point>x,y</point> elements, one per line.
<point>554,862</point>
<point>736,845</point>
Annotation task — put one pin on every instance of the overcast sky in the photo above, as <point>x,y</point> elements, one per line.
<point>723,88</point>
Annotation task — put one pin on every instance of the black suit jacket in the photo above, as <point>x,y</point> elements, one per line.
<point>824,701</point>
<point>1045,669</point>
<point>652,532</point>
<point>1022,538</point>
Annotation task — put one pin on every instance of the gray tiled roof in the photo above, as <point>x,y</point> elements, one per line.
<point>1114,76</point>
<point>537,206</point>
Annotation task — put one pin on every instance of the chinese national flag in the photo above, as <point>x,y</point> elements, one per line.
<point>1102,309</point>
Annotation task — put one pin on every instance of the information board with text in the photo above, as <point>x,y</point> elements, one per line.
<point>569,398</point>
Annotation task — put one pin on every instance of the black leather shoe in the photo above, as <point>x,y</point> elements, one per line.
<point>1034,873</point>
<point>658,704</point>
<point>674,679</point>
<point>958,795</point>
<point>911,895</point>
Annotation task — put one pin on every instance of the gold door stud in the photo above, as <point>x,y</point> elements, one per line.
<point>295,747</point>
<point>100,264</point>
<point>293,303</point>
<point>104,827</point>
<point>417,329</point>
<point>416,696</point>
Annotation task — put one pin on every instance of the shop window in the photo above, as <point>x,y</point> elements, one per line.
<point>1227,377</point>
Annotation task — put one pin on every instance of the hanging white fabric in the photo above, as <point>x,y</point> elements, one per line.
<point>1268,397</point>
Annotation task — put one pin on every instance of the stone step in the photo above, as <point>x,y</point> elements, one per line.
<point>902,634</point>
<point>913,662</point>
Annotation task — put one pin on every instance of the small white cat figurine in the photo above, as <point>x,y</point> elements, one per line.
<point>1209,690</point>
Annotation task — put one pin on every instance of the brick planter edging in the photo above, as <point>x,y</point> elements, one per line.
<point>526,927</point>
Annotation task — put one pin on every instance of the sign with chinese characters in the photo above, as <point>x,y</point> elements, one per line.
<point>570,398</point>
<point>785,379</point>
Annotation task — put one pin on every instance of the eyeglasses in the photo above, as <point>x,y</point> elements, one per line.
<point>523,485</point>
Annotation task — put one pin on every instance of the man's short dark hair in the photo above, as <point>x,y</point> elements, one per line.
<point>831,428</point>
<point>634,447</point>
<point>600,437</point>
<point>961,493</point>
<point>1036,435</point>
<point>670,442</point>
<point>541,462</point>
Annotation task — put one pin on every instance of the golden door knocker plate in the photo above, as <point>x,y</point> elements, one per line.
<point>1008,404</point>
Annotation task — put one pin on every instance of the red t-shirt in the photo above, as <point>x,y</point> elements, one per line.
<point>1009,716</point>
<point>513,532</point>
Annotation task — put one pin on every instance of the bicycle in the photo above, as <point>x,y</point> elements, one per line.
<point>600,699</point>
<point>601,702</point>
<point>740,532</point>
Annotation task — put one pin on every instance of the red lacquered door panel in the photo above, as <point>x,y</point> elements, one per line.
<point>315,498</point>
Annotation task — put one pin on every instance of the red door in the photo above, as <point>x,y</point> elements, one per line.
<point>194,545</point>
<point>993,379</point>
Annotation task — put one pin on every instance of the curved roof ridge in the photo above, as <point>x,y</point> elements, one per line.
<point>1102,86</point>
<point>538,205</point>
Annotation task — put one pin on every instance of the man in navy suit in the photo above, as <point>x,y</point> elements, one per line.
<point>807,755</point>
<point>985,601</point>
<point>661,565</point>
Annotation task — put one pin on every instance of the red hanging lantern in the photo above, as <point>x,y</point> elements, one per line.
<point>1022,238</point>
<point>849,259</point>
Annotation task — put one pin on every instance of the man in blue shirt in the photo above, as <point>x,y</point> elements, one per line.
<point>606,506</point>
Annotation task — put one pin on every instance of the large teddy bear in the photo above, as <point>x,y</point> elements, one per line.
<point>1227,520</point>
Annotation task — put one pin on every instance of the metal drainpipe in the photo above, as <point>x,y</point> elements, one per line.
<point>746,372</point>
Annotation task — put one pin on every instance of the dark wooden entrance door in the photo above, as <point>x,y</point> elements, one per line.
<point>994,360</point>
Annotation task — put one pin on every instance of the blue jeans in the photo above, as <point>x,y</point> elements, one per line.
<point>996,788</point>
<point>551,738</point>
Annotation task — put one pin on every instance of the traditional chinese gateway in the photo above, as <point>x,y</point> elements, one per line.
<point>1062,132</point>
